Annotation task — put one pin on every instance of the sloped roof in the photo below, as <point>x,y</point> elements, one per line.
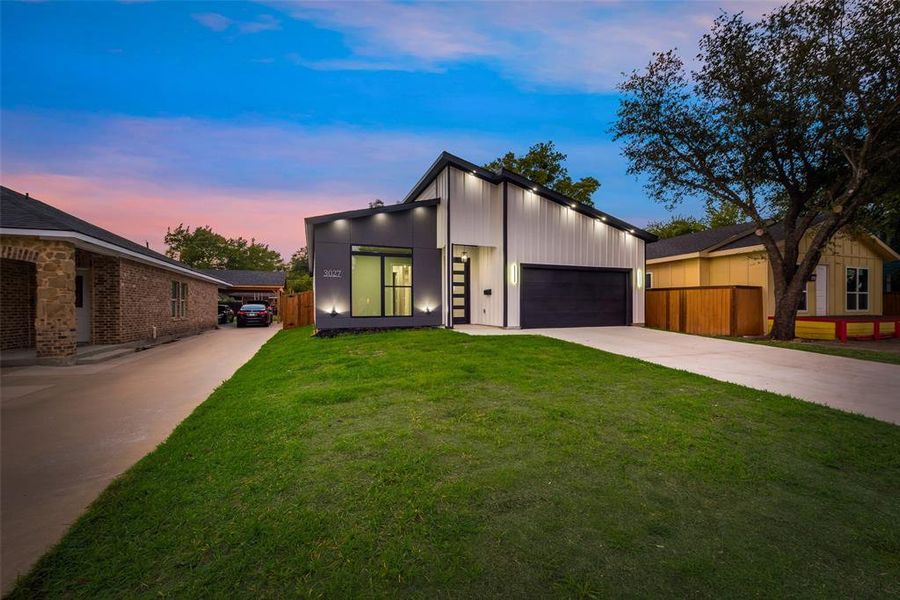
<point>18,211</point>
<point>735,237</point>
<point>242,277</point>
<point>695,242</point>
<point>462,164</point>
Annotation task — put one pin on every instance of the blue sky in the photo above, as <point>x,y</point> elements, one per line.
<point>251,116</point>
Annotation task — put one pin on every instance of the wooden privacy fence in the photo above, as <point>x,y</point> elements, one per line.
<point>297,310</point>
<point>710,310</point>
<point>891,304</point>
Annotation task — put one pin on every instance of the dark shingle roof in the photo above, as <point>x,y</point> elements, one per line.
<point>250,278</point>
<point>695,242</point>
<point>18,211</point>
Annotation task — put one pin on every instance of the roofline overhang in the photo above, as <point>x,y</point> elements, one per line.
<point>90,243</point>
<point>367,212</point>
<point>674,257</point>
<point>889,252</point>
<point>446,159</point>
<point>730,251</point>
<point>248,288</point>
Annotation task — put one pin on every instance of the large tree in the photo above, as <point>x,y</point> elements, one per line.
<point>543,163</point>
<point>203,248</point>
<point>793,119</point>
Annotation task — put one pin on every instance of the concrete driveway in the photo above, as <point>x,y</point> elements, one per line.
<point>858,386</point>
<point>68,431</point>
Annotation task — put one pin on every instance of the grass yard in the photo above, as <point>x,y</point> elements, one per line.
<point>877,351</point>
<point>432,464</point>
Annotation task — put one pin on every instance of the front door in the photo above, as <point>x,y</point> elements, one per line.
<point>83,306</point>
<point>821,291</point>
<point>460,291</point>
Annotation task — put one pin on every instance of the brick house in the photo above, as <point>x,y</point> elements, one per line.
<point>67,282</point>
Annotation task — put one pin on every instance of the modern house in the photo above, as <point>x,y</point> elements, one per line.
<point>67,282</point>
<point>470,245</point>
<point>846,285</point>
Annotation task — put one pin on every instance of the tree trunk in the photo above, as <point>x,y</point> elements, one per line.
<point>788,295</point>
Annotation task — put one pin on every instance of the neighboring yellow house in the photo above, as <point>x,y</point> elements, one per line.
<point>847,280</point>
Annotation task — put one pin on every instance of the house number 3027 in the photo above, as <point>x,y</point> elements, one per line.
<point>332,273</point>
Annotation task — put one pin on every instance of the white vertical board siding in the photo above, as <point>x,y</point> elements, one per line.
<point>476,210</point>
<point>540,231</point>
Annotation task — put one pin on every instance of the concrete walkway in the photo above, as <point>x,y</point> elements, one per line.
<point>849,384</point>
<point>68,431</point>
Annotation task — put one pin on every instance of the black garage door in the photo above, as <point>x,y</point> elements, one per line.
<point>569,297</point>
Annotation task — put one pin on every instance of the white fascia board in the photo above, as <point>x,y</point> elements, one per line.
<point>744,250</point>
<point>80,239</point>
<point>674,257</point>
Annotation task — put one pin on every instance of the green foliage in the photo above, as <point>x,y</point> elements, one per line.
<point>791,118</point>
<point>299,278</point>
<point>677,225</point>
<point>371,466</point>
<point>203,248</point>
<point>716,216</point>
<point>722,215</point>
<point>299,262</point>
<point>543,163</point>
<point>298,282</point>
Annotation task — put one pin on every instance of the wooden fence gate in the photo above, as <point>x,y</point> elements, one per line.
<point>297,310</point>
<point>711,310</point>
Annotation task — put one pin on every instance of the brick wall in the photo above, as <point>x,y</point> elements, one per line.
<point>106,321</point>
<point>17,299</point>
<point>145,299</point>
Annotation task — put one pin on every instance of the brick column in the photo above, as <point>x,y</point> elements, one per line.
<point>55,307</point>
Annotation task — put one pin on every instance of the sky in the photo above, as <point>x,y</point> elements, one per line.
<point>249,117</point>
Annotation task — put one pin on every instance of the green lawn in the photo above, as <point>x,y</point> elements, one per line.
<point>833,349</point>
<point>432,464</point>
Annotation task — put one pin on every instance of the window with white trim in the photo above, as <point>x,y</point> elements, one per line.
<point>179,299</point>
<point>857,288</point>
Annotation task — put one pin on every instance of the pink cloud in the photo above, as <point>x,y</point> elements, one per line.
<point>141,210</point>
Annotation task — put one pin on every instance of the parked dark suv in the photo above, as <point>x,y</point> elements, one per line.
<point>226,315</point>
<point>254,314</point>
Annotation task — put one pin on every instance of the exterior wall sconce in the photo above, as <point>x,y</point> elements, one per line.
<point>640,279</point>
<point>513,274</point>
<point>427,310</point>
<point>333,312</point>
<point>465,256</point>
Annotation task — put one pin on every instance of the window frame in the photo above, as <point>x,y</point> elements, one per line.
<point>178,299</point>
<point>648,280</point>
<point>399,252</point>
<point>857,292</point>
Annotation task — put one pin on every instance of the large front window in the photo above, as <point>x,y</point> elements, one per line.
<point>381,282</point>
<point>857,288</point>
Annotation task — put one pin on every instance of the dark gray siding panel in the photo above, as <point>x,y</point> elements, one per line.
<point>385,229</point>
<point>415,229</point>
<point>335,231</point>
<point>424,227</point>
